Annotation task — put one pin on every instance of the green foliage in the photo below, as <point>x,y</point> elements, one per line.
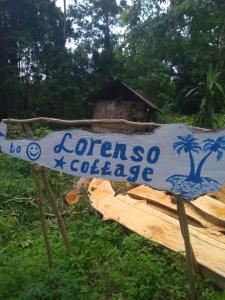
<point>161,47</point>
<point>41,132</point>
<point>38,76</point>
<point>179,42</point>
<point>109,262</point>
<point>212,96</point>
<point>95,22</point>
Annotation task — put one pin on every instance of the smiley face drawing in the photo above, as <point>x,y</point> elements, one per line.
<point>33,151</point>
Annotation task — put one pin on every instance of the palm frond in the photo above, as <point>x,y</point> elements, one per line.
<point>208,146</point>
<point>221,140</point>
<point>219,155</point>
<point>196,149</point>
<point>191,92</point>
<point>178,150</point>
<point>195,144</point>
<point>177,144</point>
<point>183,138</point>
<point>220,88</point>
<point>209,140</point>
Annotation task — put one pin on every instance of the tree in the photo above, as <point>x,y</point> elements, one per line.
<point>213,146</point>
<point>145,63</point>
<point>32,58</point>
<point>95,22</point>
<point>188,144</point>
<point>194,44</point>
<point>64,21</point>
<point>176,44</point>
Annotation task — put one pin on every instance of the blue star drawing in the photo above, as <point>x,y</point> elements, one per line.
<point>60,163</point>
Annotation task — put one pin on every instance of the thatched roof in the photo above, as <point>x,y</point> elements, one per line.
<point>118,90</point>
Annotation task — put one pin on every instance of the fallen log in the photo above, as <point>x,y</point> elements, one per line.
<point>78,188</point>
<point>136,215</point>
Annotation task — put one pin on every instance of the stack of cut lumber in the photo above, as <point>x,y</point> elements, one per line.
<point>152,214</point>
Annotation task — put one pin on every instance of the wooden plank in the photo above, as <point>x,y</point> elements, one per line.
<point>212,209</point>
<point>161,199</point>
<point>220,195</point>
<point>174,157</point>
<point>159,227</point>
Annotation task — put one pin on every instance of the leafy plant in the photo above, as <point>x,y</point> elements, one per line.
<point>41,132</point>
<point>208,91</point>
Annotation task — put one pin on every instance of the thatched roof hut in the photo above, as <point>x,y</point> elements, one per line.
<point>117,100</point>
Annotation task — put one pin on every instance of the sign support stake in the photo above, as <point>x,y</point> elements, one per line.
<point>42,215</point>
<point>37,182</point>
<point>53,203</point>
<point>59,218</point>
<point>191,262</point>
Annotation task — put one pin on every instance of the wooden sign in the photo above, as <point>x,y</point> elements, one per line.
<point>173,158</point>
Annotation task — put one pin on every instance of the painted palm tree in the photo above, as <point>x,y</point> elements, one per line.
<point>188,144</point>
<point>213,146</point>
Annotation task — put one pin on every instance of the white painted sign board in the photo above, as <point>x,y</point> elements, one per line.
<point>173,158</point>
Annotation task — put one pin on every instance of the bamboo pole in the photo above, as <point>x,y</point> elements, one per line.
<point>81,122</point>
<point>42,216</point>
<point>37,182</point>
<point>191,262</point>
<point>59,218</point>
<point>132,124</point>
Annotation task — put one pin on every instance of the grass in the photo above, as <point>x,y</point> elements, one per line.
<point>109,262</point>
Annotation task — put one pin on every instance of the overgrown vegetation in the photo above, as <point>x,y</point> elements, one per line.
<point>109,262</point>
<point>165,48</point>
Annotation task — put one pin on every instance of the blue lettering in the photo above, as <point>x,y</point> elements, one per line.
<point>18,149</point>
<point>120,150</point>
<point>72,167</point>
<point>60,147</point>
<point>106,146</point>
<point>12,148</point>
<point>93,143</point>
<point>145,173</point>
<point>94,169</point>
<point>106,168</point>
<point>153,155</point>
<point>119,171</point>
<point>81,146</point>
<point>84,167</point>
<point>135,172</point>
<point>137,150</point>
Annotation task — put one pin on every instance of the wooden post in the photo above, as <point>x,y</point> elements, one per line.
<point>42,215</point>
<point>59,218</point>
<point>37,182</point>
<point>190,257</point>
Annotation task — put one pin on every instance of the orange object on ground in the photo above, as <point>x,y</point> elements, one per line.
<point>72,197</point>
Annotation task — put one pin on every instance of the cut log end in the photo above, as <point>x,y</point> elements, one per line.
<point>72,197</point>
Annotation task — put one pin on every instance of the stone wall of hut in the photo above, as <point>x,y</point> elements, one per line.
<point>116,109</point>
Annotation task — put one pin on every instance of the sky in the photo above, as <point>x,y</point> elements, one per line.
<point>69,2</point>
<point>60,2</point>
